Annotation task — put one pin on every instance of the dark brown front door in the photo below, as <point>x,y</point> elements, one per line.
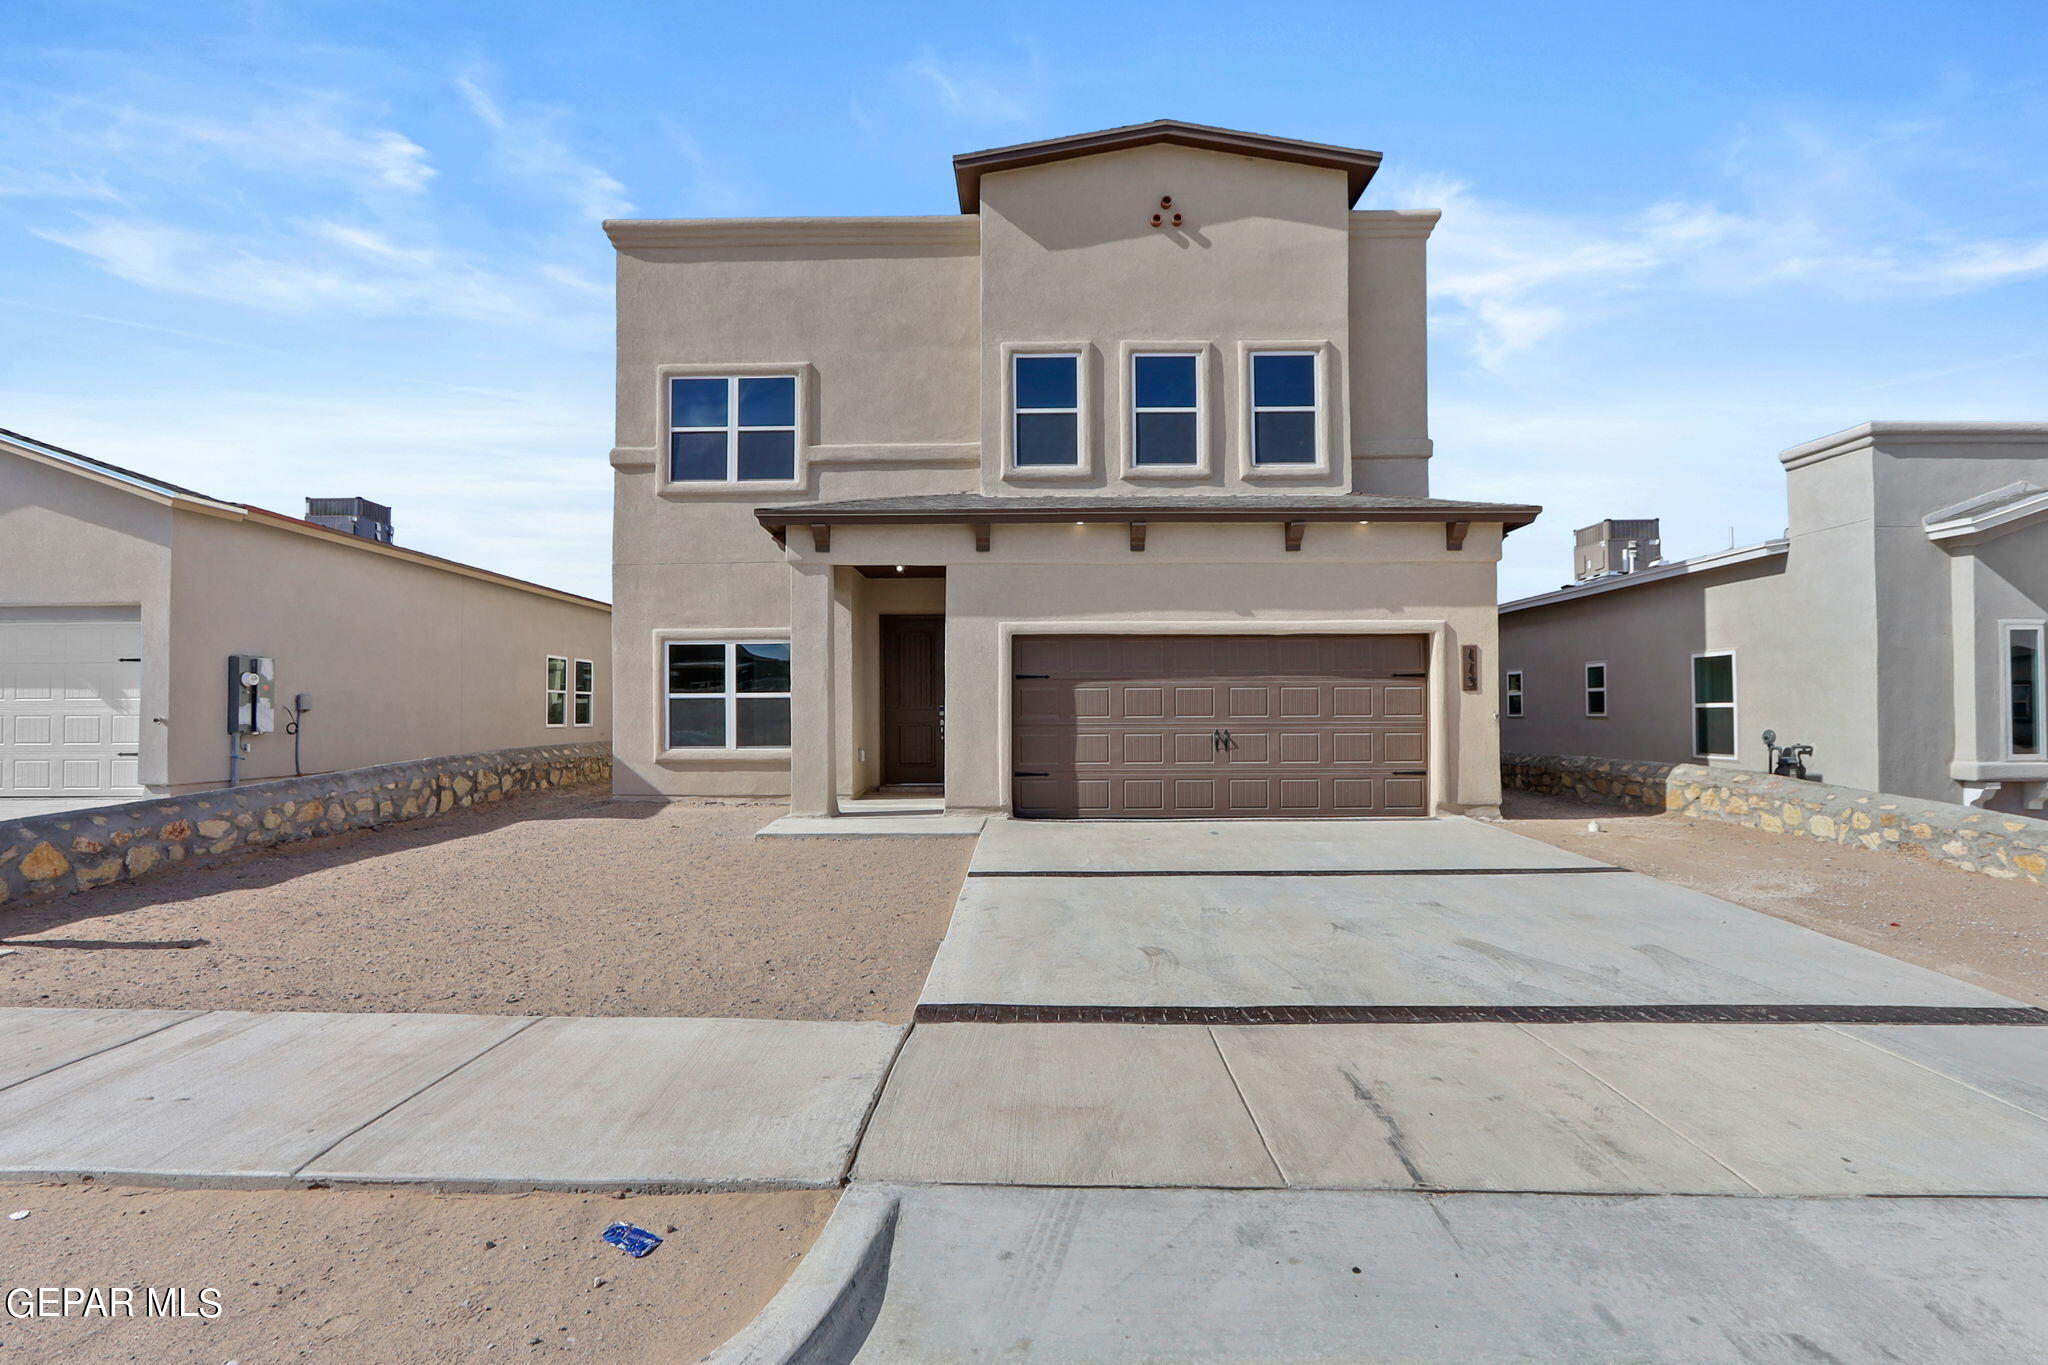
<point>1161,726</point>
<point>913,699</point>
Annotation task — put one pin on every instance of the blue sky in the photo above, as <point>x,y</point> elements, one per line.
<point>273,250</point>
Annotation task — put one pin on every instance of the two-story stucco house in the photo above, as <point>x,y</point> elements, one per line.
<point>1107,497</point>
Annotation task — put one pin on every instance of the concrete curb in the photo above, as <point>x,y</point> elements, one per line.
<point>825,1312</point>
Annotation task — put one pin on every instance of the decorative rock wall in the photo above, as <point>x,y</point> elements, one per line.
<point>53,855</point>
<point>1991,842</point>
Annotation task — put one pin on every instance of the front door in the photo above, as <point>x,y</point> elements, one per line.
<point>913,700</point>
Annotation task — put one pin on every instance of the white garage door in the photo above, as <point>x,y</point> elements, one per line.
<point>70,707</point>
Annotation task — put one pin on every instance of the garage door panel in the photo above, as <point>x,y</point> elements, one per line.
<point>70,707</point>
<point>25,775</point>
<point>1125,726</point>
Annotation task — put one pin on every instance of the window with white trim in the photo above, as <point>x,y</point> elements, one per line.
<point>584,695</point>
<point>558,690</point>
<point>1513,694</point>
<point>1045,416</point>
<point>1166,410</point>
<point>727,695</point>
<point>1285,410</point>
<point>1713,705</point>
<point>738,429</point>
<point>2023,669</point>
<point>1596,689</point>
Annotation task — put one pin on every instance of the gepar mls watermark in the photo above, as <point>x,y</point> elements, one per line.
<point>112,1301</point>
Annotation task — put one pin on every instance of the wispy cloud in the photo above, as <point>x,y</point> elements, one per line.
<point>529,146</point>
<point>981,89</point>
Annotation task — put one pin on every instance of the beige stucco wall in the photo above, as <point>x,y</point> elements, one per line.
<point>72,541</point>
<point>403,660</point>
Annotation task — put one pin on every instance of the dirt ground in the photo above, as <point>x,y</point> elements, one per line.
<point>565,903</point>
<point>333,1275</point>
<point>1977,928</point>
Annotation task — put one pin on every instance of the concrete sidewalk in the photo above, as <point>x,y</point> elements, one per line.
<point>227,1098</point>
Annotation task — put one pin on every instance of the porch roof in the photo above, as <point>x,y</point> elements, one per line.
<point>1293,511</point>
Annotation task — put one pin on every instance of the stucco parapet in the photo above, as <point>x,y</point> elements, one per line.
<point>949,231</point>
<point>54,855</point>
<point>1994,843</point>
<point>1870,435</point>
<point>1394,222</point>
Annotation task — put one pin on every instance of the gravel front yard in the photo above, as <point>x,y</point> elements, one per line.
<point>565,903</point>
<point>331,1275</point>
<point>1977,928</point>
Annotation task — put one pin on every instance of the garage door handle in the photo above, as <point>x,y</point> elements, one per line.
<point>127,754</point>
<point>1031,774</point>
<point>1022,676</point>
<point>1423,674</point>
<point>136,660</point>
<point>1409,772</point>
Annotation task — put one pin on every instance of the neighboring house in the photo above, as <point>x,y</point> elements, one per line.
<point>123,599</point>
<point>1897,628</point>
<point>1106,497</point>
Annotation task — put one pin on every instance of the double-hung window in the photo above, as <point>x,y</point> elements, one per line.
<point>1713,705</point>
<point>728,695</point>
<point>2023,677</point>
<point>739,429</point>
<point>1596,689</point>
<point>1285,411</point>
<point>1514,692</point>
<point>584,695</point>
<point>1166,414</point>
<point>558,690</point>
<point>1045,398</point>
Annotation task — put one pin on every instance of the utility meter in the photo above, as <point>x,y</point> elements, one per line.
<point>252,678</point>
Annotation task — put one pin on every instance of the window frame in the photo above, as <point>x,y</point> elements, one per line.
<point>582,700</point>
<point>1590,689</point>
<point>731,643</point>
<point>1513,694</point>
<point>1083,466</point>
<point>664,454</point>
<point>556,693</point>
<point>1129,353</point>
<point>2006,630</point>
<point>1248,426</point>
<point>1734,697</point>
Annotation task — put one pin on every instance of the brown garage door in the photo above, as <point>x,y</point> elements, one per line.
<point>1160,726</point>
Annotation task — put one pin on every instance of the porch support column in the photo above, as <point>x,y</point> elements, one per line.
<point>813,740</point>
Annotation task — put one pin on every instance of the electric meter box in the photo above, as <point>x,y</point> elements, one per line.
<point>252,682</point>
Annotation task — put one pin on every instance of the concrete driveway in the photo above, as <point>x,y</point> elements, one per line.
<point>1447,912</point>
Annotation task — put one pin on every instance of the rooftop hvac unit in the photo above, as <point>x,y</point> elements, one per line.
<point>357,516</point>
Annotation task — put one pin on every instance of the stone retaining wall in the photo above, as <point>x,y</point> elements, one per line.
<point>1991,842</point>
<point>53,855</point>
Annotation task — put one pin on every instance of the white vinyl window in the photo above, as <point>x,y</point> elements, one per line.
<point>1514,692</point>
<point>1596,689</point>
<point>2023,678</point>
<point>1285,410</point>
<point>1166,410</point>
<point>727,696</point>
<point>1713,705</point>
<point>584,696</point>
<point>1045,417</point>
<point>558,690</point>
<point>738,429</point>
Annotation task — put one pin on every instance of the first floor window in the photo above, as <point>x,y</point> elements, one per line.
<point>1165,410</point>
<point>585,695</point>
<point>558,690</point>
<point>1045,395</point>
<point>1514,692</point>
<point>2023,690</point>
<point>728,696</point>
<point>1283,407</point>
<point>1596,689</point>
<point>1713,705</point>
<point>739,429</point>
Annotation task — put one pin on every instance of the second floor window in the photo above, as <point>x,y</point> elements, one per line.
<point>1165,410</point>
<point>1046,398</point>
<point>732,430</point>
<point>1284,407</point>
